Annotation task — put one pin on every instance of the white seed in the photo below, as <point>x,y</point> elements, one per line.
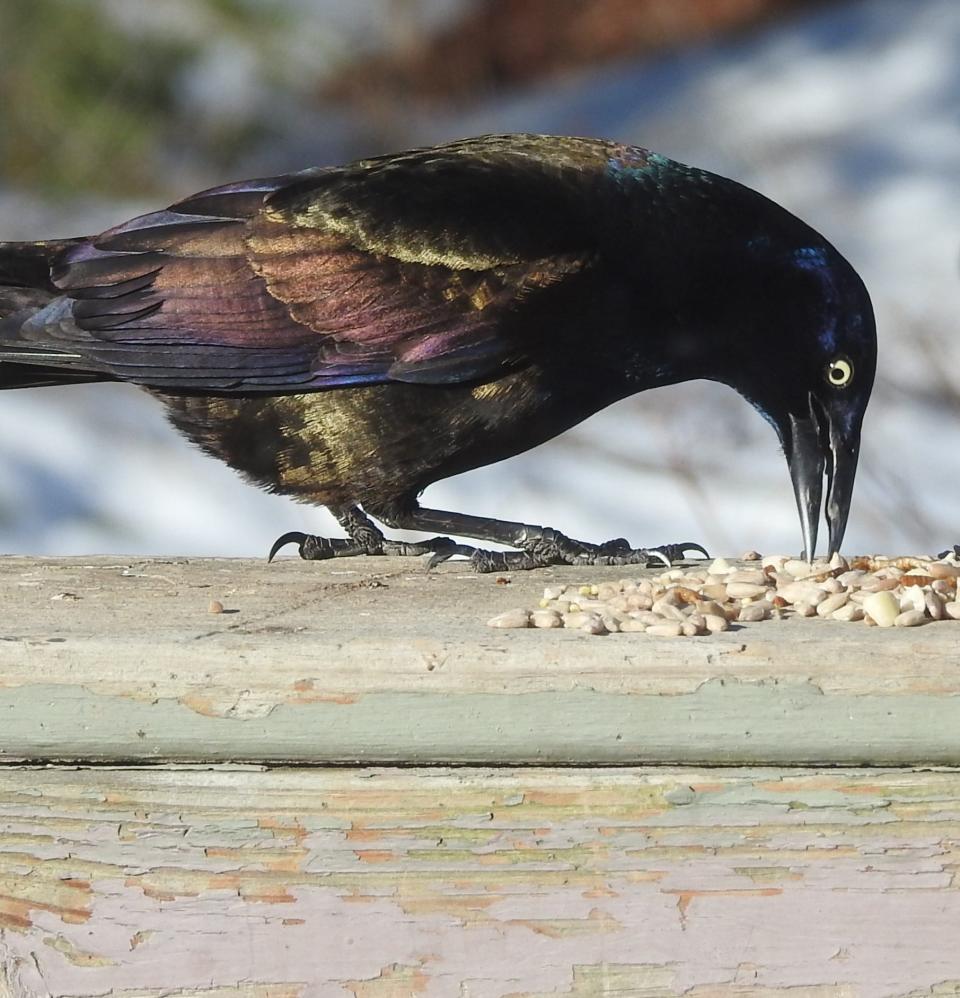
<point>802,609</point>
<point>697,621</point>
<point>852,579</point>
<point>647,617</point>
<point>754,575</point>
<point>511,618</point>
<point>745,590</point>
<point>668,629</point>
<point>798,568</point>
<point>720,566</point>
<point>831,603</point>
<point>752,613</point>
<point>593,626</point>
<point>607,591</point>
<point>546,618</point>
<point>639,601</point>
<point>775,561</point>
<point>831,585</point>
<point>911,598</point>
<point>667,610</point>
<point>610,623</point>
<point>882,607</point>
<point>942,586</point>
<point>709,606</point>
<point>952,610</point>
<point>554,592</point>
<point>934,605</point>
<point>632,625</point>
<point>691,630</point>
<point>910,618</point>
<point>715,622</point>
<point>802,592</point>
<point>849,611</point>
<point>837,560</point>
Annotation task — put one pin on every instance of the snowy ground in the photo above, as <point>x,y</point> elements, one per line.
<point>849,117</point>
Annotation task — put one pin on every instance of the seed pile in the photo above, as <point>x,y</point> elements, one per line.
<point>888,592</point>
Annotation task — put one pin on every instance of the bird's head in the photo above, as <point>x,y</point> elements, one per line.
<point>756,299</point>
<point>802,345</point>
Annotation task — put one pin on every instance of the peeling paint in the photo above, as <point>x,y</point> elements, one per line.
<point>383,882</point>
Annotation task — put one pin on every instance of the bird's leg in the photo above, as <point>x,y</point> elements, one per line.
<point>363,537</point>
<point>538,546</point>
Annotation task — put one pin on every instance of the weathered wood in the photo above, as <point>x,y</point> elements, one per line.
<point>627,882</point>
<point>375,660</point>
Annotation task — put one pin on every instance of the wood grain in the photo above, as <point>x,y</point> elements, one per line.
<point>376,661</point>
<point>627,882</point>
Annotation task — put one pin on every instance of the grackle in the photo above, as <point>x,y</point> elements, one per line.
<point>348,336</point>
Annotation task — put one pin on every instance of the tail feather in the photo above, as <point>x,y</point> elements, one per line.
<point>25,287</point>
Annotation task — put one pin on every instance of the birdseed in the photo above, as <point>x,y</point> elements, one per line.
<point>694,601</point>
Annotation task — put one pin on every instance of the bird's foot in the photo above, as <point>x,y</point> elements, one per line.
<point>550,547</point>
<point>950,552</point>
<point>313,548</point>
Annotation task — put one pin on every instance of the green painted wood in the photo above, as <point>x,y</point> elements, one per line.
<point>381,662</point>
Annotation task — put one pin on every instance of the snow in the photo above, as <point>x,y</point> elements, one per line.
<point>847,116</point>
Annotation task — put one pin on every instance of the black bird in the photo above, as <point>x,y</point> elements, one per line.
<point>348,336</point>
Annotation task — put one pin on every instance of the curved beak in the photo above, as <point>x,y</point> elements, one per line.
<point>813,444</point>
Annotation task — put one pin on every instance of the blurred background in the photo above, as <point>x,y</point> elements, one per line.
<point>847,112</point>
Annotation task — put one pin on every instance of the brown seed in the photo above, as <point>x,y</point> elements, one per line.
<point>716,592</point>
<point>215,606</point>
<point>750,556</point>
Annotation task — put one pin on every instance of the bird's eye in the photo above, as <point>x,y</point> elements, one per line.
<point>839,372</point>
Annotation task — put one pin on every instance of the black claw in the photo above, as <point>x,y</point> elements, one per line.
<point>955,551</point>
<point>663,555</point>
<point>447,551</point>
<point>291,537</point>
<point>677,552</point>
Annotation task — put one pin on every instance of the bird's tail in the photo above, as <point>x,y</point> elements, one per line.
<point>25,288</point>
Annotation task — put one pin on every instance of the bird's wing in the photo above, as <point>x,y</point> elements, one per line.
<point>408,268</point>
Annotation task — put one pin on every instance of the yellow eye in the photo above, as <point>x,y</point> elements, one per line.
<point>839,372</point>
